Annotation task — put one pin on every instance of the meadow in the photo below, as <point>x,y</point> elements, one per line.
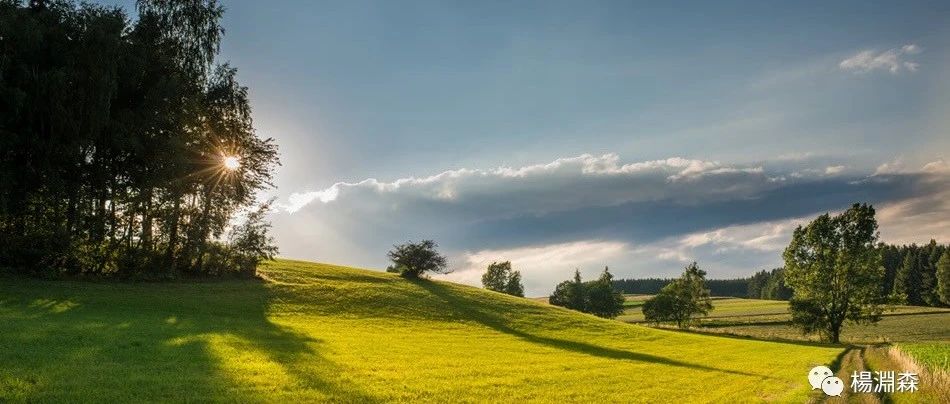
<point>314,332</point>
<point>907,338</point>
<point>769,319</point>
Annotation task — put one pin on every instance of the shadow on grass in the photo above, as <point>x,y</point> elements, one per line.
<point>777,340</point>
<point>476,311</point>
<point>75,341</point>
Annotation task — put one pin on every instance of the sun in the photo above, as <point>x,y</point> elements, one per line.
<point>231,163</point>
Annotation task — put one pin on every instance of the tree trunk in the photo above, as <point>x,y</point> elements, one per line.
<point>170,256</point>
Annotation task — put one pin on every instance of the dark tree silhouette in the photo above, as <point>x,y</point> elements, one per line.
<point>113,137</point>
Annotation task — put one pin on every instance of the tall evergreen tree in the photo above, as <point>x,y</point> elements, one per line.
<point>943,278</point>
<point>603,300</point>
<point>907,282</point>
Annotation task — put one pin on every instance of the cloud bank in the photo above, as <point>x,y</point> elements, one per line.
<point>640,218</point>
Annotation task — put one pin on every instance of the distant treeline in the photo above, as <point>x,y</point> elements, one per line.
<point>910,277</point>
<point>651,286</point>
<point>910,272</point>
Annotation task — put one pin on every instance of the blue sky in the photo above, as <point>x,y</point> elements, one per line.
<point>583,134</point>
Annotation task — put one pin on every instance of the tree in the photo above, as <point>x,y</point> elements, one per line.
<point>943,278</point>
<point>114,132</point>
<point>500,278</point>
<point>571,294</point>
<point>835,271</point>
<point>414,260</point>
<point>775,288</point>
<point>660,308</point>
<point>927,263</point>
<point>602,299</point>
<point>251,242</point>
<point>907,281</point>
<point>514,286</point>
<point>684,298</point>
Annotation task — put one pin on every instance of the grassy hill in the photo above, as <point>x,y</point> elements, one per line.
<point>322,332</point>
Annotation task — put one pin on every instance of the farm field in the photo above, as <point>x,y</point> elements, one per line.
<point>908,338</point>
<point>768,319</point>
<point>314,332</point>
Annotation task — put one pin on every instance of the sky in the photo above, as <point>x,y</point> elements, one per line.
<point>563,135</point>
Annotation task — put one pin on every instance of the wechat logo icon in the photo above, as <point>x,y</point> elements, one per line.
<point>821,377</point>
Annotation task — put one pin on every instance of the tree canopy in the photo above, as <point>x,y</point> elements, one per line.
<point>835,272</point>
<point>413,260</point>
<point>596,297</point>
<point>114,133</point>
<point>499,277</point>
<point>681,300</point>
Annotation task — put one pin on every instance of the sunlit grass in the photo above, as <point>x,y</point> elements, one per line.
<point>324,333</point>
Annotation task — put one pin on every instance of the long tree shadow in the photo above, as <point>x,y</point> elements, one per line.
<point>64,341</point>
<point>475,310</point>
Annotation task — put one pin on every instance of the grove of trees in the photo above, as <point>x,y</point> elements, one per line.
<point>910,273</point>
<point>596,297</point>
<point>501,278</point>
<point>769,285</point>
<point>911,276</point>
<point>125,147</point>
<point>681,300</point>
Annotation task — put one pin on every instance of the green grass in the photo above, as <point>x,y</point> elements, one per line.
<point>327,333</point>
<point>934,355</point>
<point>769,319</point>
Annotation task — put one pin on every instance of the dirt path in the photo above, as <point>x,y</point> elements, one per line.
<point>853,361</point>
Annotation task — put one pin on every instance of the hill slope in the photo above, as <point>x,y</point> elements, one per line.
<point>321,332</point>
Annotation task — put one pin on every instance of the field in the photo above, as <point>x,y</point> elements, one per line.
<point>907,338</point>
<point>769,319</point>
<point>935,355</point>
<point>314,332</point>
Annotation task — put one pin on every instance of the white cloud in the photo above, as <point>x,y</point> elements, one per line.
<point>540,266</point>
<point>936,167</point>
<point>545,187</point>
<point>891,167</point>
<point>893,60</point>
<point>834,170</point>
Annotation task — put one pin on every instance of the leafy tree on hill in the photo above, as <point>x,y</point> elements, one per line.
<point>500,278</point>
<point>681,300</point>
<point>835,272</point>
<point>661,308</point>
<point>413,260</point>
<point>943,278</point>
<point>514,286</point>
<point>570,294</point>
<point>602,299</point>
<point>597,297</point>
